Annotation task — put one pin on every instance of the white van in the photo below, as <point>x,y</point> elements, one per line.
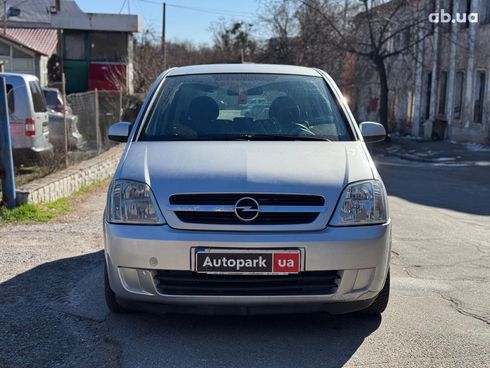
<point>29,124</point>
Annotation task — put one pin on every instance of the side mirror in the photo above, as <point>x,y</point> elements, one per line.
<point>119,132</point>
<point>372,132</point>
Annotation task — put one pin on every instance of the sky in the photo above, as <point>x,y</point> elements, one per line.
<point>186,19</point>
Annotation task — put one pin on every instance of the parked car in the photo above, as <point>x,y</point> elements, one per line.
<point>247,214</point>
<point>56,108</point>
<point>28,116</point>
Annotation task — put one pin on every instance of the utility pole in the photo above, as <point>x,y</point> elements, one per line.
<point>164,46</point>
<point>7,174</point>
<point>60,47</point>
<point>4,16</point>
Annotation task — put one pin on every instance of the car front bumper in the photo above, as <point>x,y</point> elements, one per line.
<point>360,254</point>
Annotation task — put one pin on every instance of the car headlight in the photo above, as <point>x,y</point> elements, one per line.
<point>133,202</point>
<point>361,203</point>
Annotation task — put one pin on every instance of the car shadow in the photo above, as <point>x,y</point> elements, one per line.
<point>57,313</point>
<point>301,340</point>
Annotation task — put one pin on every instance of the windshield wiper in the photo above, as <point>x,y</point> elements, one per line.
<point>271,137</point>
<point>249,137</point>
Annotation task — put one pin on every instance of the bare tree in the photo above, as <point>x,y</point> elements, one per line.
<point>234,42</point>
<point>372,30</point>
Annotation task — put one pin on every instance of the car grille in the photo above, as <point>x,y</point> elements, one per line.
<point>275,209</point>
<point>232,198</point>
<point>191,283</point>
<point>229,218</point>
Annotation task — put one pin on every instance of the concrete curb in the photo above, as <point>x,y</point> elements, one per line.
<point>63,183</point>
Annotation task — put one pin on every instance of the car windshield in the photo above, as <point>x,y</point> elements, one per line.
<point>245,107</point>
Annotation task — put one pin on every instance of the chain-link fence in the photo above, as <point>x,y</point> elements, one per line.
<point>77,130</point>
<point>92,113</point>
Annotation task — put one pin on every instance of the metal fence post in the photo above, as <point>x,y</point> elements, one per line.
<point>98,137</point>
<point>6,159</point>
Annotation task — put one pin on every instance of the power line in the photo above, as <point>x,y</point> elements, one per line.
<point>204,10</point>
<point>211,10</point>
<point>122,6</point>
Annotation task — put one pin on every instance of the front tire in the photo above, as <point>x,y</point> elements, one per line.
<point>110,296</point>
<point>381,302</point>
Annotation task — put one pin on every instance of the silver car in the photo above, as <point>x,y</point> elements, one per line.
<point>213,209</point>
<point>57,109</point>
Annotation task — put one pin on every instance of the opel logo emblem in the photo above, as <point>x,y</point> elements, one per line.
<point>247,209</point>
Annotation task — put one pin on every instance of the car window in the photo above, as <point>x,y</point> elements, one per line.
<point>217,106</point>
<point>37,97</point>
<point>10,98</point>
<point>51,99</point>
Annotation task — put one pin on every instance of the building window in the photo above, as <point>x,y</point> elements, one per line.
<point>458,102</point>
<point>4,50</point>
<point>74,46</point>
<point>37,97</point>
<point>442,93</point>
<point>481,77</point>
<point>109,46</point>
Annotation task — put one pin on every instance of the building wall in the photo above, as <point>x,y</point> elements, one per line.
<point>403,110</point>
<point>19,60</point>
<point>92,50</point>
<point>469,129</point>
<point>41,64</point>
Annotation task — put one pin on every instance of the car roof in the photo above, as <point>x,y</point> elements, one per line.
<point>243,68</point>
<point>28,77</point>
<point>51,89</point>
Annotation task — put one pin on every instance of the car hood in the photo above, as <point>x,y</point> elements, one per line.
<point>293,167</point>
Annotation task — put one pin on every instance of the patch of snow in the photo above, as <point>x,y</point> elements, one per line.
<point>445,159</point>
<point>413,138</point>
<point>449,164</point>
<point>475,147</point>
<point>482,163</point>
<point>393,149</point>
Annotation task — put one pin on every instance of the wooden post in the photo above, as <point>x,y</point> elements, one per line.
<point>63,91</point>
<point>120,104</point>
<point>98,137</point>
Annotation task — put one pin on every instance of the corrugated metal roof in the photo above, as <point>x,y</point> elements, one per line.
<point>43,41</point>
<point>31,11</point>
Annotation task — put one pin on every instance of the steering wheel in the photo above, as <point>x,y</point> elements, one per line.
<point>299,128</point>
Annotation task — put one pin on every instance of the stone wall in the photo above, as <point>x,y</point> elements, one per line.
<point>63,183</point>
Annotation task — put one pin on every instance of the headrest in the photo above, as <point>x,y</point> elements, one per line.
<point>203,108</point>
<point>283,109</point>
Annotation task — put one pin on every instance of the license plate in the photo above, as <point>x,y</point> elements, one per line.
<point>216,261</point>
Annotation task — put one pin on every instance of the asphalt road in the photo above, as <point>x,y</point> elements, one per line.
<point>52,312</point>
